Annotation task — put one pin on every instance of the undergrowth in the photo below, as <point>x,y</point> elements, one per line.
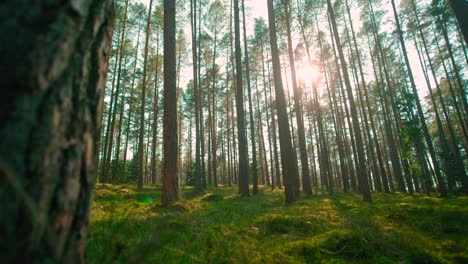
<point>217,226</point>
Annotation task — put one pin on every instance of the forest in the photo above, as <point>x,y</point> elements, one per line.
<point>234,131</point>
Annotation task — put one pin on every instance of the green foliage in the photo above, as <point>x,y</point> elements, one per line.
<point>129,226</point>
<point>190,174</point>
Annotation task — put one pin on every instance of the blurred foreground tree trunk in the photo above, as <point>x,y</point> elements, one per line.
<point>459,8</point>
<point>54,65</point>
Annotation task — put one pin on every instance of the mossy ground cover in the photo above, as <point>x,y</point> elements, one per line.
<point>129,226</point>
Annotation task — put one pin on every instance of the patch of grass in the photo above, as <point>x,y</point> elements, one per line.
<point>218,226</point>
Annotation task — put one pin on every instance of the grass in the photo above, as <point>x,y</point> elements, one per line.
<point>129,226</point>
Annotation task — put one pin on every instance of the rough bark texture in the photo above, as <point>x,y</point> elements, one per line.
<point>170,191</point>
<point>49,122</point>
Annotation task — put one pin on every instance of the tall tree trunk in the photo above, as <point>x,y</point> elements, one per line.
<point>132,90</point>
<point>307,188</point>
<point>249,91</point>
<point>104,169</point>
<point>261,139</point>
<point>442,137</point>
<point>288,155</point>
<point>267,111</point>
<point>312,151</point>
<point>362,177</point>
<point>304,38</point>
<point>193,15</point>
<point>460,112</point>
<point>289,107</point>
<point>117,92</point>
<point>441,182</point>
<point>352,152</point>
<point>141,161</point>
<point>274,107</point>
<point>394,144</point>
<point>241,133</point>
<point>213,132</point>
<point>338,128</point>
<point>210,123</point>
<point>200,109</point>
<point>379,116</point>
<point>154,127</point>
<point>459,8</point>
<point>458,78</point>
<point>228,130</point>
<point>373,170</point>
<point>325,169</point>
<point>170,189</point>
<point>422,119</point>
<point>50,116</point>
<point>235,153</point>
<point>119,129</point>
<point>147,157</point>
<point>383,173</point>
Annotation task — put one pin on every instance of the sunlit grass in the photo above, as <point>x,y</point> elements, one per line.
<point>129,226</point>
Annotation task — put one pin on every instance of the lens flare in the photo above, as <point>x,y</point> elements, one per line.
<point>310,73</point>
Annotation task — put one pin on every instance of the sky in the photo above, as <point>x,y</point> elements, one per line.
<point>258,8</point>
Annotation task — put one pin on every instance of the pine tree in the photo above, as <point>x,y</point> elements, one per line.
<point>51,107</point>
<point>288,156</point>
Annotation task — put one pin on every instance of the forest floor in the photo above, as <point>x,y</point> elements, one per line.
<point>129,226</point>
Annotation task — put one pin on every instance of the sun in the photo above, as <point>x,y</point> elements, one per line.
<point>309,73</point>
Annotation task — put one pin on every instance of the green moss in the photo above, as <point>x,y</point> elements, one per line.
<point>221,227</point>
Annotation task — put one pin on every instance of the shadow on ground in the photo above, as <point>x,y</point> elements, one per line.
<point>217,226</point>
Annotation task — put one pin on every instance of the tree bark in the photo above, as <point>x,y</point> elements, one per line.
<point>132,90</point>
<point>249,91</point>
<point>306,186</point>
<point>273,107</point>
<point>117,92</point>
<point>170,190</point>
<point>266,109</point>
<point>213,132</point>
<point>362,177</point>
<point>288,155</point>
<point>193,14</point>
<point>104,171</point>
<point>155,113</point>
<point>241,133</point>
<point>50,116</point>
<point>459,8</point>
<point>422,119</point>
<point>141,165</point>
<point>381,168</point>
<point>119,129</point>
